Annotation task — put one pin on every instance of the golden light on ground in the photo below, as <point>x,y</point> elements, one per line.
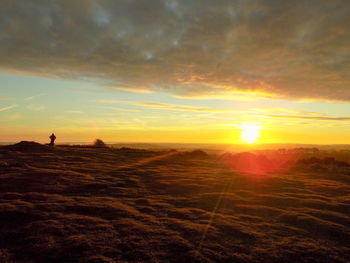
<point>250,132</point>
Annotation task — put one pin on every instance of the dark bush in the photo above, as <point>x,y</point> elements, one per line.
<point>99,143</point>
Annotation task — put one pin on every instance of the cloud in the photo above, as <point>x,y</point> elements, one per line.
<point>220,92</point>
<point>138,90</point>
<point>280,113</point>
<point>8,107</point>
<point>200,48</point>
<point>286,111</point>
<point>36,107</point>
<point>127,110</point>
<point>34,96</point>
<point>164,106</point>
<point>316,118</point>
<point>74,111</point>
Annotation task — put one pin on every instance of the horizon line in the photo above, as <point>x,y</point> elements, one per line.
<point>189,143</point>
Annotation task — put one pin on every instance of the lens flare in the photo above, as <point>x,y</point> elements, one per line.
<point>262,165</point>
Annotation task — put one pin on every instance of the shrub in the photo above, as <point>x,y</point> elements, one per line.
<point>99,143</point>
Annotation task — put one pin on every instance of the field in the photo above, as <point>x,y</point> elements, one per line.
<point>88,204</point>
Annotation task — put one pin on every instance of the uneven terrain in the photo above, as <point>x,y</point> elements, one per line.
<point>86,204</point>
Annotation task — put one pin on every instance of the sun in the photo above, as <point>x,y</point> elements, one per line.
<point>250,132</point>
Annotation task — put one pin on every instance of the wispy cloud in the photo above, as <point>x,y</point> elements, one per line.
<point>36,107</point>
<point>116,109</point>
<point>74,111</point>
<point>34,96</point>
<point>164,106</point>
<point>127,110</point>
<point>8,107</point>
<point>286,111</point>
<point>128,89</point>
<point>220,94</point>
<point>317,118</point>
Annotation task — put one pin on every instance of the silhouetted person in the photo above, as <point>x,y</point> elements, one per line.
<point>52,138</point>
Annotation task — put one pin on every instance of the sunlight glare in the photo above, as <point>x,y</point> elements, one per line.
<point>250,132</point>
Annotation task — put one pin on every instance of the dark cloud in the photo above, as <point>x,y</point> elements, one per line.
<point>296,49</point>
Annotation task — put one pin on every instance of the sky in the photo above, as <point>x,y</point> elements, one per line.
<point>175,71</point>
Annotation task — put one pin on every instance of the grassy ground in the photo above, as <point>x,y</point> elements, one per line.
<point>84,204</point>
